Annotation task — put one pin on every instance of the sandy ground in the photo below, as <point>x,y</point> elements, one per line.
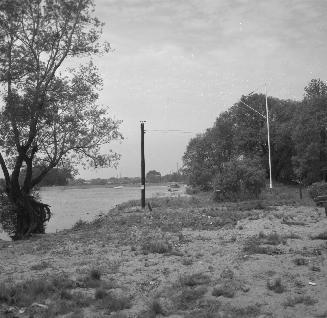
<point>218,259</point>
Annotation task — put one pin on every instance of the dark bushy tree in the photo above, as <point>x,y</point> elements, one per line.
<point>48,118</point>
<point>153,176</point>
<point>241,131</point>
<point>240,179</point>
<point>309,134</point>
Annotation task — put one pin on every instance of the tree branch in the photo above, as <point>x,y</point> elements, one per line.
<point>43,173</point>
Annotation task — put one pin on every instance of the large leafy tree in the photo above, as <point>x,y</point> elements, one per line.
<point>206,152</point>
<point>49,117</point>
<point>241,132</point>
<point>251,137</point>
<point>309,133</point>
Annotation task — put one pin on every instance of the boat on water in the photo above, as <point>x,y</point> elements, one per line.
<point>174,186</point>
<point>118,187</point>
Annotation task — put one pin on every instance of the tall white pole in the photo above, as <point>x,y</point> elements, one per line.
<point>269,152</point>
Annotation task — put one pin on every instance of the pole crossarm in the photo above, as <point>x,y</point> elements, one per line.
<point>268,132</point>
<point>253,109</point>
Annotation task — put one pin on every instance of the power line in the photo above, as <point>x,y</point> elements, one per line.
<point>171,131</point>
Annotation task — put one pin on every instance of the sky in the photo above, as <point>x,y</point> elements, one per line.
<point>177,64</point>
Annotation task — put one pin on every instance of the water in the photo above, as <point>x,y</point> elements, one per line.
<point>69,205</point>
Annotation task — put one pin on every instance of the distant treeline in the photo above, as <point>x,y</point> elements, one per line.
<point>152,176</point>
<point>65,176</point>
<point>297,133</point>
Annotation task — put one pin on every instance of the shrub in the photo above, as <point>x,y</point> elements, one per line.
<point>317,188</point>
<point>239,179</point>
<point>276,285</point>
<point>301,299</point>
<point>79,225</point>
<point>156,246</point>
<point>95,274</point>
<point>7,214</point>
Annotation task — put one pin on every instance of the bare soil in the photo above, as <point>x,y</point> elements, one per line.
<point>188,257</point>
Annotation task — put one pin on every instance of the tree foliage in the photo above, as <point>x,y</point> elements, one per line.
<point>240,179</point>
<point>309,133</point>
<point>49,118</point>
<point>297,134</point>
<point>153,176</point>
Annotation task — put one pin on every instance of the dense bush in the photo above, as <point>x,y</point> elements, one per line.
<point>239,180</point>
<point>7,214</point>
<point>8,211</point>
<point>317,188</point>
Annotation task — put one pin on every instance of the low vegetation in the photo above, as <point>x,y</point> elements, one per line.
<point>189,257</point>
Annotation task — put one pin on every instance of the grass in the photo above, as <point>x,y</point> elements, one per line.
<point>156,308</point>
<point>187,261</point>
<point>194,279</point>
<point>38,290</point>
<point>291,222</point>
<point>301,299</point>
<point>300,261</point>
<point>60,296</point>
<point>286,195</point>
<point>267,243</point>
<point>191,291</point>
<point>40,266</point>
<point>95,274</point>
<point>320,236</point>
<point>254,245</point>
<point>100,293</point>
<point>225,290</point>
<point>188,297</point>
<point>112,302</point>
<point>156,246</point>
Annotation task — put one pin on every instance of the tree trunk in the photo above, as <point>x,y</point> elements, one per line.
<point>31,215</point>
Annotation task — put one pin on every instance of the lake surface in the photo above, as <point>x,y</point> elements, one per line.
<point>69,205</point>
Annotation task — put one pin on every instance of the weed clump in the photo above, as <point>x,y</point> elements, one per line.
<point>188,296</point>
<point>95,274</point>
<point>223,290</point>
<point>112,302</point>
<point>40,266</point>
<point>253,245</point>
<point>100,293</point>
<point>195,279</point>
<point>276,285</point>
<point>300,261</point>
<point>156,246</point>
<point>320,236</point>
<point>301,299</point>
<point>79,225</point>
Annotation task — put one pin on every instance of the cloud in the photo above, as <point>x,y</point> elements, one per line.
<point>205,25</point>
<point>179,63</point>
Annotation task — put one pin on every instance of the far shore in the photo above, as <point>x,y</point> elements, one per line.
<point>113,185</point>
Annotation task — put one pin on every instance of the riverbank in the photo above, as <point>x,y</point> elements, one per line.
<point>189,257</point>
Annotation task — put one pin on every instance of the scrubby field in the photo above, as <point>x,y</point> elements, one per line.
<point>189,257</point>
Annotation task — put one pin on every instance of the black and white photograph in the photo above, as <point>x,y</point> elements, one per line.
<point>163,158</point>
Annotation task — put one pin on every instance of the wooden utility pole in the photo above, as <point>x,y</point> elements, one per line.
<point>142,167</point>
